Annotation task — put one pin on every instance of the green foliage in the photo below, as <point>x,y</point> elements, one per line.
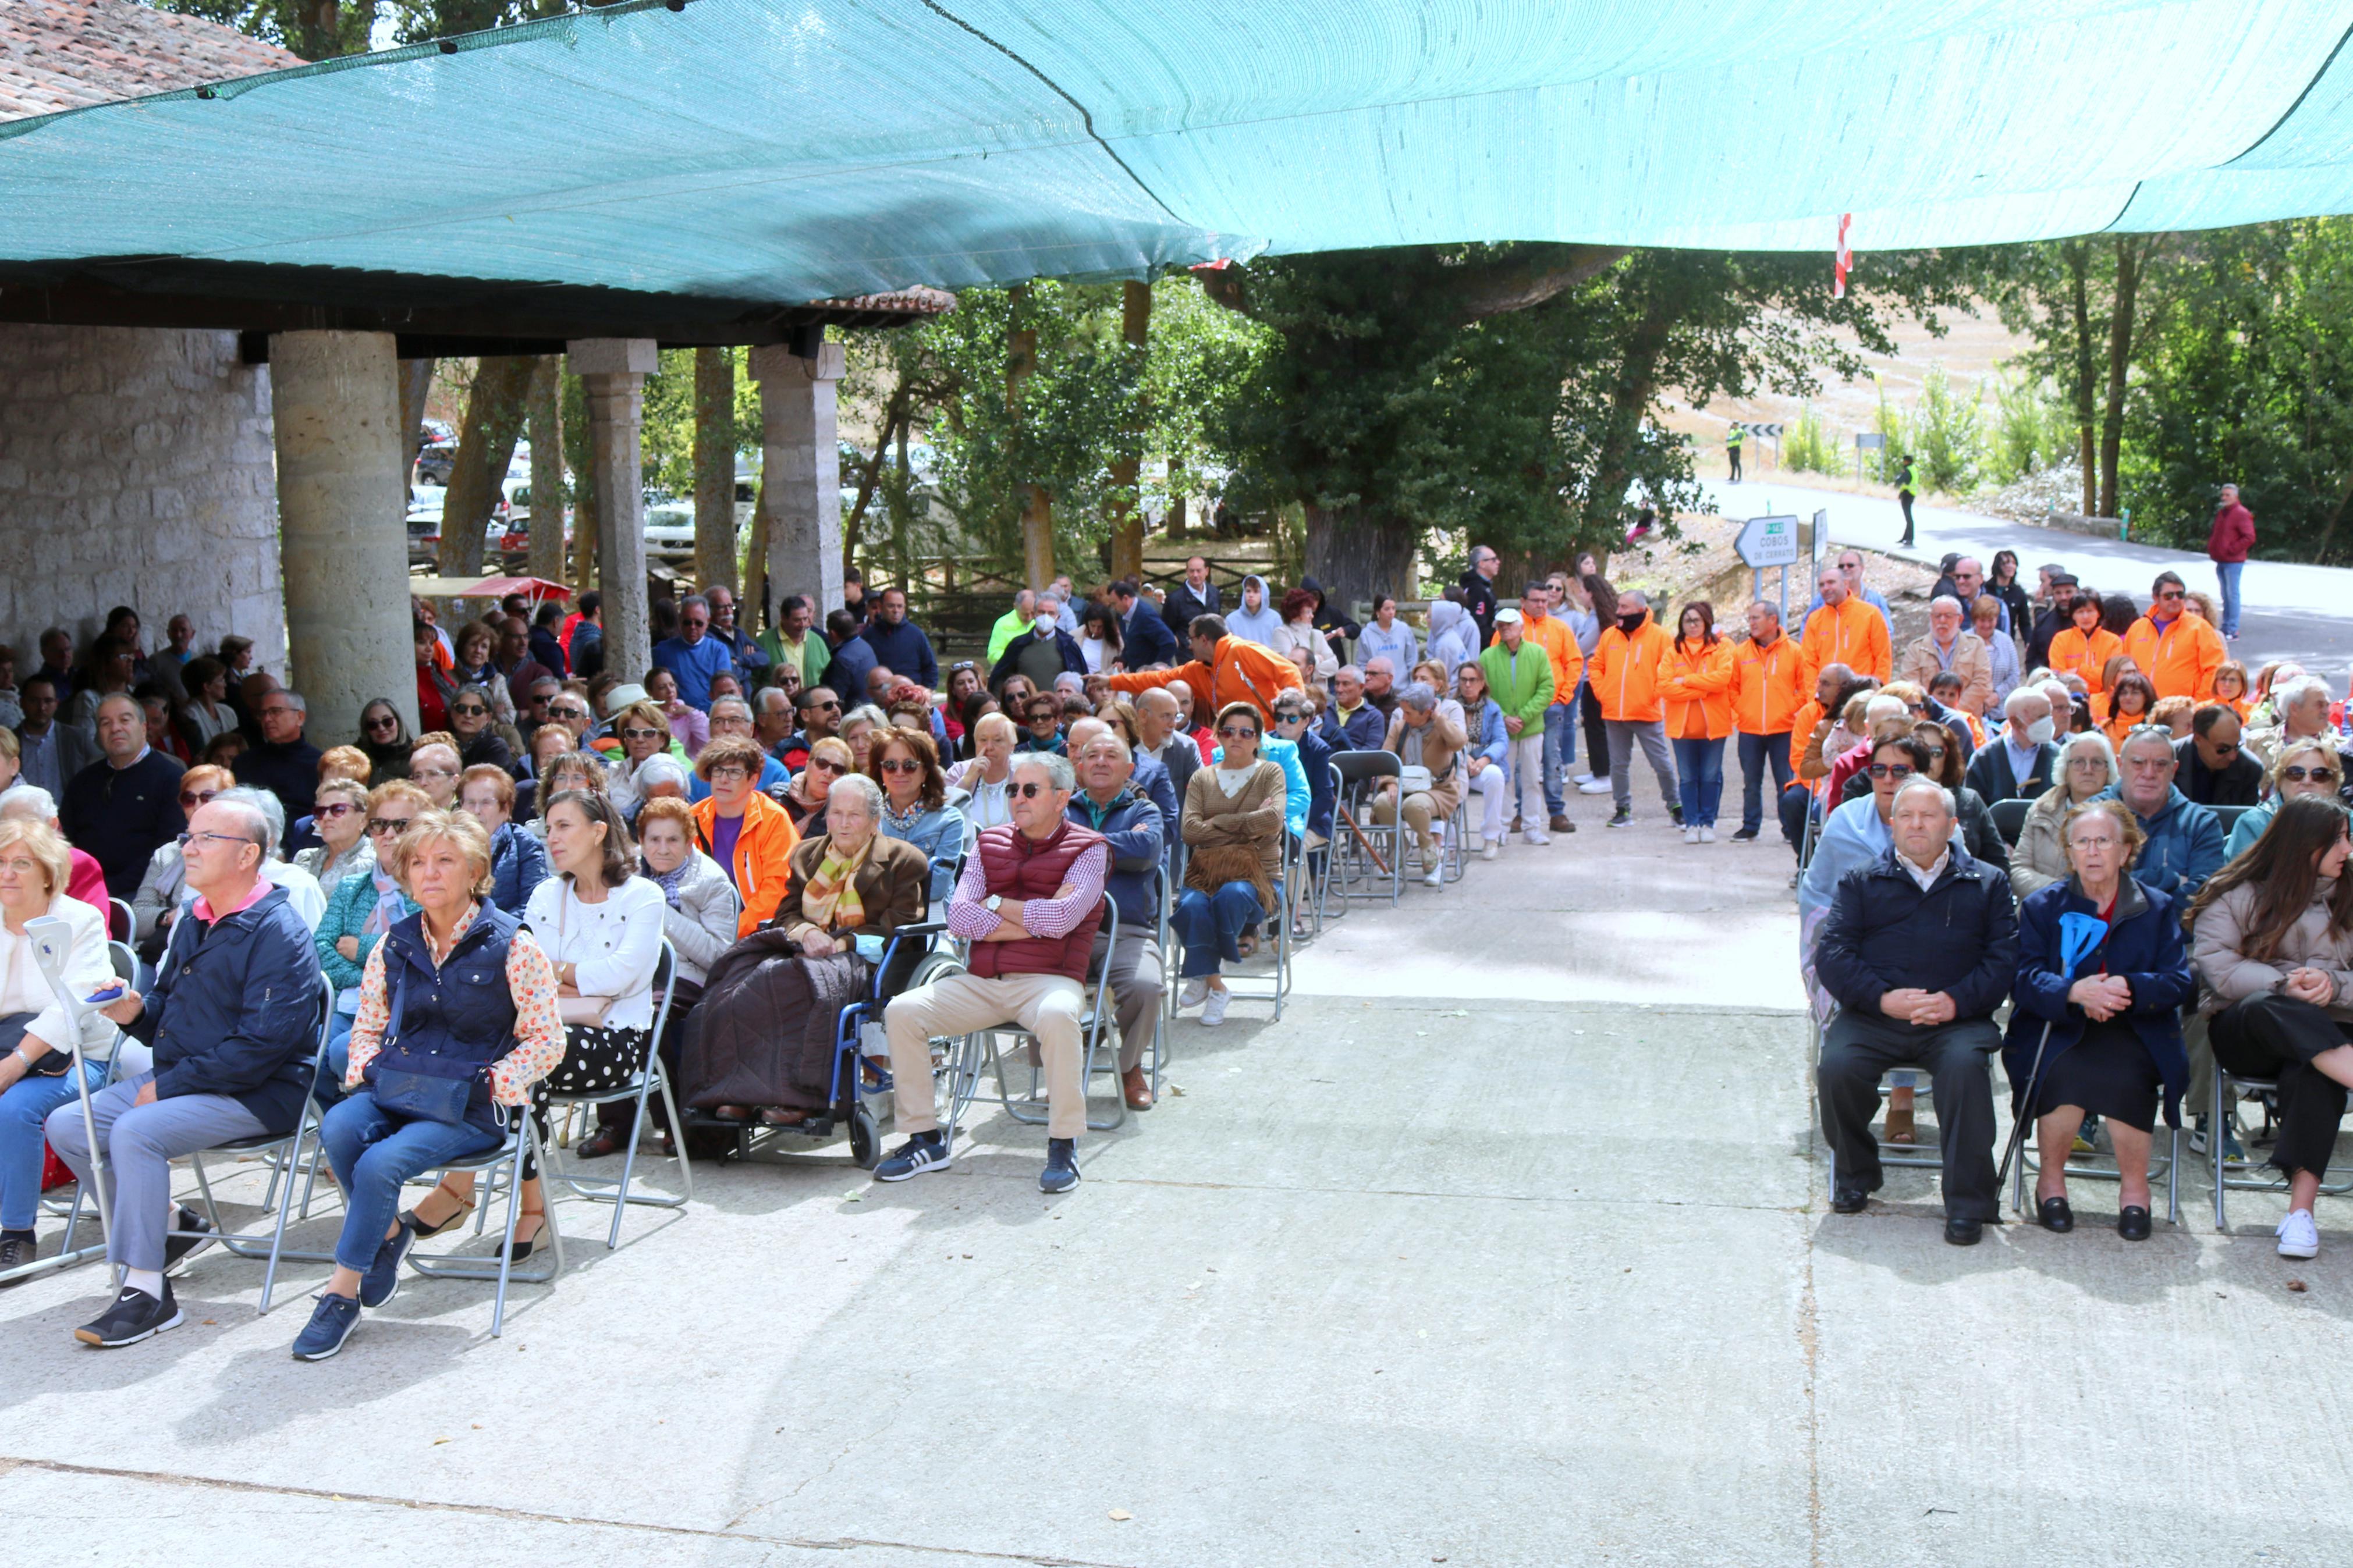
<point>667,442</point>
<point>2031,428</point>
<point>318,31</point>
<point>1809,448</point>
<point>2247,378</point>
<point>1946,436</point>
<point>1887,463</point>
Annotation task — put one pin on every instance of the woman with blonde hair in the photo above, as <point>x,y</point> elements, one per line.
<point>37,1033</point>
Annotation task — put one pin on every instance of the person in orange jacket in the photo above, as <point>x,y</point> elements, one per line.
<point>1625,672</point>
<point>750,835</point>
<point>2178,652</point>
<point>1224,669</point>
<point>1845,630</point>
<point>1768,687</point>
<point>1695,682</point>
<point>2083,646</point>
<point>1559,640</point>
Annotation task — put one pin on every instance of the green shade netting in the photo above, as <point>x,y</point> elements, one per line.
<point>791,149</point>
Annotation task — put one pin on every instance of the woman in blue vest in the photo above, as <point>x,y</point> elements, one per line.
<point>457,1020</point>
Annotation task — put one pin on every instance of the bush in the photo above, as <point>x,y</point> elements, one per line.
<point>2030,429</point>
<point>1946,434</point>
<point>1809,447</point>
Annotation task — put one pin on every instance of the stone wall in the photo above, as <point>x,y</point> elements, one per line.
<point>136,469</point>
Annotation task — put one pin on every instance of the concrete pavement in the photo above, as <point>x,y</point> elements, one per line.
<point>2289,611</point>
<point>1508,1246</point>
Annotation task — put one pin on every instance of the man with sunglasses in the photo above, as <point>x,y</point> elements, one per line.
<point>821,715</point>
<point>694,656</point>
<point>1028,903</point>
<point>285,764</point>
<point>750,658</point>
<point>126,804</point>
<point>2215,769</point>
<point>2177,651</point>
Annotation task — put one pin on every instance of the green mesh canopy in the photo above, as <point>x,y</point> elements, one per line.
<point>795,150</point>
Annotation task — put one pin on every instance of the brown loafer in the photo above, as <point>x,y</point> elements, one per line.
<point>606,1141</point>
<point>1137,1087</point>
<point>731,1112</point>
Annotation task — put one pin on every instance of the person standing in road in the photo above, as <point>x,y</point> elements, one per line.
<point>2227,543</point>
<point>1903,498</point>
<point>1733,437</point>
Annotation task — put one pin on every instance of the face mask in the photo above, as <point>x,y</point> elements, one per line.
<point>1630,624</point>
<point>2040,733</point>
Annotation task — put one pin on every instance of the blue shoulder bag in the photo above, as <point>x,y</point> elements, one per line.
<point>418,1096</point>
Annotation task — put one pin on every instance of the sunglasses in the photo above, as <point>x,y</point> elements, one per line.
<point>1890,770</point>
<point>960,665</point>
<point>389,824</point>
<point>469,709</point>
<point>333,810</point>
<point>827,706</point>
<point>2169,595</point>
<point>384,722</point>
<point>824,765</point>
<point>641,734</point>
<point>563,712</point>
<point>2227,748</point>
<point>900,765</point>
<point>1236,732</point>
<point>2319,775</point>
<point>1029,791</point>
<point>193,798</point>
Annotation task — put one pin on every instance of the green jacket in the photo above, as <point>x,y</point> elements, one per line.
<point>813,658</point>
<point>1009,625</point>
<point>1520,683</point>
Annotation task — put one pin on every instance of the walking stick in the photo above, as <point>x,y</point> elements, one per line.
<point>1364,843</point>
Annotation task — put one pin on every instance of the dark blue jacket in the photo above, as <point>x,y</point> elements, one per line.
<point>845,677</point>
<point>235,1010</point>
<point>1151,777</point>
<point>1074,657</point>
<point>1144,638</point>
<point>1131,825</point>
<point>1884,933</point>
<point>1366,729</point>
<point>288,772</point>
<point>453,1021</point>
<point>903,649</point>
<point>518,864</point>
<point>1316,759</point>
<point>2145,945</point>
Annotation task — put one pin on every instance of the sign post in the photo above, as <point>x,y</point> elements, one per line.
<point>1866,441</point>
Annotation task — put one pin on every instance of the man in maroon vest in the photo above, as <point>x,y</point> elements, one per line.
<point>1028,902</point>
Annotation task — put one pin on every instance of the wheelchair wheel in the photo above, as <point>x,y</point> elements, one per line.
<point>865,1138</point>
<point>934,966</point>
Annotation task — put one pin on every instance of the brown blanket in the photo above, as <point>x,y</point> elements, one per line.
<point>763,1033</point>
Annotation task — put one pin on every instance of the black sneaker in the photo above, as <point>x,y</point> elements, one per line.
<point>1623,819</point>
<point>921,1152</point>
<point>1677,813</point>
<point>1061,1172</point>
<point>134,1316</point>
<point>15,1251</point>
<point>176,1247</point>
<point>331,1322</point>
<point>382,1282</point>
<point>1746,835</point>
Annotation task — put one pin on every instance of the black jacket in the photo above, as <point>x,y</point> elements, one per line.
<point>1479,598</point>
<point>2241,784</point>
<point>1884,933</point>
<point>235,1010</point>
<point>1184,604</point>
<point>1145,640</point>
<point>1992,775</point>
<point>1980,837</point>
<point>291,772</point>
<point>120,816</point>
<point>2047,624</point>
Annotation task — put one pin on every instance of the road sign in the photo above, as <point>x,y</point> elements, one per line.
<point>1771,432</point>
<point>1768,541</point>
<point>1821,537</point>
<point>1869,441</point>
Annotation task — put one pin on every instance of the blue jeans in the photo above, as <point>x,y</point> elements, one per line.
<point>1208,925</point>
<point>22,1108</point>
<point>1757,753</point>
<point>1559,752</point>
<point>1699,778</point>
<point>2228,571</point>
<point>374,1151</point>
<point>339,1057</point>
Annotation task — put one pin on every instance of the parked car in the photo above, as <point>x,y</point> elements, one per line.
<point>425,527</point>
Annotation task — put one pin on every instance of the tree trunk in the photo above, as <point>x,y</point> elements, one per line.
<point>1356,556</point>
<point>485,440</point>
<point>1176,529</point>
<point>714,468</point>
<point>584,502</point>
<point>546,423</point>
<point>2130,255</point>
<point>1603,523</point>
<point>2078,267</point>
<point>1037,504</point>
<point>416,383</point>
<point>1127,512</point>
<point>895,416</point>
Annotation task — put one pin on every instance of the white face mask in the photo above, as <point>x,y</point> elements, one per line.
<point>2039,733</point>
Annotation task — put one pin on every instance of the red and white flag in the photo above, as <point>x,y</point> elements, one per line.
<point>1845,263</point>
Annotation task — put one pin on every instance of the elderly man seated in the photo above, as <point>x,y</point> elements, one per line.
<point>1028,902</point>
<point>2184,840</point>
<point>1919,948</point>
<point>1111,802</point>
<point>233,1019</point>
<point>2018,763</point>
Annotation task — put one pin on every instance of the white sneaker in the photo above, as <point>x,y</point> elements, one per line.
<point>1490,848</point>
<point>1195,989</point>
<point>1593,786</point>
<point>1436,876</point>
<point>1691,835</point>
<point>1707,836</point>
<point>1581,779</point>
<point>1538,836</point>
<point>1213,1011</point>
<point>2299,1236</point>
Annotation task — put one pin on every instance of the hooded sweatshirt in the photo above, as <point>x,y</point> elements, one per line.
<point>1260,626</point>
<point>1454,635</point>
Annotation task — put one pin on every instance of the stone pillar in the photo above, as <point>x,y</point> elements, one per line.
<point>800,473</point>
<point>343,541</point>
<point>613,371</point>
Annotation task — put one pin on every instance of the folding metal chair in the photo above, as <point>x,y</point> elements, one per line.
<point>2009,818</point>
<point>500,1166</point>
<point>1909,1155</point>
<point>2228,1087</point>
<point>2168,1165</point>
<point>1274,988</point>
<point>1095,1023</point>
<point>652,1075</point>
<point>1355,849</point>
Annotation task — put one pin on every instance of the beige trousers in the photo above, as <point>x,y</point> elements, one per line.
<point>1048,1006</point>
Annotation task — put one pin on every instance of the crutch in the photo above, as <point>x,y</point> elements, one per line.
<point>2080,935</point>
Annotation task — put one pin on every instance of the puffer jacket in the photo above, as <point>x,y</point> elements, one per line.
<point>1701,675</point>
<point>1625,672</point>
<point>2218,943</point>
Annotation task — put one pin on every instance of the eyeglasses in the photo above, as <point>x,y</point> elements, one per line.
<point>641,734</point>
<point>2170,593</point>
<point>827,763</point>
<point>2317,775</point>
<point>192,798</point>
<point>1291,718</point>
<point>389,824</point>
<point>2227,748</point>
<point>900,765</point>
<point>384,722</point>
<point>1029,791</point>
<point>333,810</point>
<point>568,712</point>
<point>469,709</point>
<point>1890,770</point>
<point>223,837</point>
<point>829,705</point>
<point>1236,732</point>
<point>281,709</point>
<point>729,770</point>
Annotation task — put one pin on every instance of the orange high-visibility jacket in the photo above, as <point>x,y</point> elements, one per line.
<point>1625,673</point>
<point>1689,675</point>
<point>2179,661</point>
<point>2073,653</point>
<point>1851,634</point>
<point>1244,672</point>
<point>763,854</point>
<point>1552,634</point>
<point>1768,687</point>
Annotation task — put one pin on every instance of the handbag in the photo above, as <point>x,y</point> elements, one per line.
<point>1414,779</point>
<point>418,1096</point>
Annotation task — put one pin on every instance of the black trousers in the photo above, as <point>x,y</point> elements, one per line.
<point>1856,1049</point>
<point>1796,802</point>
<point>2276,1037</point>
<point>1597,734</point>
<point>1904,499</point>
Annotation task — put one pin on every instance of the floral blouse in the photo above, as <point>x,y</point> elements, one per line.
<point>539,1028</point>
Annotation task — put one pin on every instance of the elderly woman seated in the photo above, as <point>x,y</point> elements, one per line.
<point>980,782</point>
<point>1429,743</point>
<point>36,1032</point>
<point>2272,934</point>
<point>436,1073</point>
<point>764,1035</point>
<point>1232,826</point>
<point>916,810</point>
<point>2087,764</point>
<point>2306,767</point>
<point>2099,1033</point>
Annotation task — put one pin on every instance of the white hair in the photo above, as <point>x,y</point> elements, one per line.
<point>1880,707</point>
<point>1941,600</point>
<point>263,805</point>
<point>2009,703</point>
<point>2287,694</point>
<point>28,803</point>
<point>862,786</point>
<point>1921,781</point>
<point>661,768</point>
<point>1057,769</point>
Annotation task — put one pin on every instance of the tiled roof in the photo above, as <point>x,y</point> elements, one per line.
<point>62,54</point>
<point>912,302</point>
